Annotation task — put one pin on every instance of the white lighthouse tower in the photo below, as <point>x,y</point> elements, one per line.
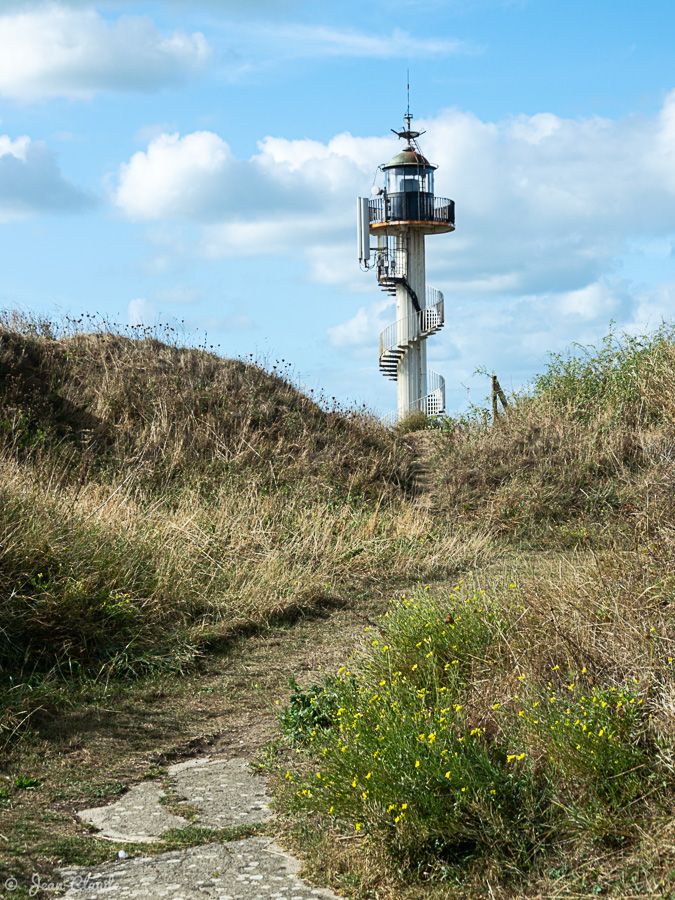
<point>399,215</point>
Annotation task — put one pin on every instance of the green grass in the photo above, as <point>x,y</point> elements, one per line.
<point>459,739</point>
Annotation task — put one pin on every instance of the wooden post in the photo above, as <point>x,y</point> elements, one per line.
<point>496,392</point>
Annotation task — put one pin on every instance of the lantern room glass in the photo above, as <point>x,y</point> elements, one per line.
<point>410,179</point>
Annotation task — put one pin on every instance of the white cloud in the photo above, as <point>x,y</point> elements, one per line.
<point>177,178</point>
<point>299,40</point>
<point>56,51</point>
<point>590,303</point>
<point>652,307</point>
<point>141,312</point>
<point>283,197</point>
<point>32,183</point>
<point>365,326</point>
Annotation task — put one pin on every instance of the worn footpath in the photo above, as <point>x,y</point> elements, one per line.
<point>223,793</point>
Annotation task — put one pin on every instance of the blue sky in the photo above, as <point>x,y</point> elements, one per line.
<point>199,160</point>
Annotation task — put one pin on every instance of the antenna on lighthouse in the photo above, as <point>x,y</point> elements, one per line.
<point>407,133</point>
<point>407,115</point>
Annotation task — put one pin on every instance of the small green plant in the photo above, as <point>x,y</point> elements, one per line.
<point>26,783</point>
<point>309,711</point>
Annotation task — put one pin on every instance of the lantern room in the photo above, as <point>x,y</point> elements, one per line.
<point>409,172</point>
<point>409,186</point>
<point>407,200</point>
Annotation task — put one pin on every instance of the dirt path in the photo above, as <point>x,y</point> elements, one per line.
<point>101,771</point>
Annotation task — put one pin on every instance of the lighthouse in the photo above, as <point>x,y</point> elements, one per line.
<point>398,216</point>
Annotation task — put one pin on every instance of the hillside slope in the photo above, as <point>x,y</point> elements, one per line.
<point>512,734</point>
<point>156,499</point>
<point>508,733</point>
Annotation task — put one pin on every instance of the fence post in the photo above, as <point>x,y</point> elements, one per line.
<point>496,392</point>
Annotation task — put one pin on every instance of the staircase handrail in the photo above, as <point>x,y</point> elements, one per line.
<point>427,321</point>
<point>435,398</point>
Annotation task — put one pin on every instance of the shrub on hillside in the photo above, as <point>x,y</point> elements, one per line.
<point>508,727</point>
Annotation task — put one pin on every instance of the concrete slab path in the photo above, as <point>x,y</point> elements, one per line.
<point>252,869</point>
<point>226,793</point>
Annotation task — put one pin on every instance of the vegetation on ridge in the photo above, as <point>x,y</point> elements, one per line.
<point>157,500</point>
<point>508,733</point>
<point>514,733</point>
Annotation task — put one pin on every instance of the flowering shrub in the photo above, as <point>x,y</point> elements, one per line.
<point>442,747</point>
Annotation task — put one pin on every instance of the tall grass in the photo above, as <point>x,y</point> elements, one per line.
<point>502,736</point>
<point>582,458</point>
<point>157,500</point>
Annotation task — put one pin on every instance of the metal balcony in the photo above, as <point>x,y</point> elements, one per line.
<point>411,207</point>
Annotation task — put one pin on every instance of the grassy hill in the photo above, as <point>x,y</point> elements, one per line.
<point>512,734</point>
<point>509,732</point>
<point>157,500</point>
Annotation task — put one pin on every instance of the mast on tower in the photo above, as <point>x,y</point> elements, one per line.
<point>399,216</point>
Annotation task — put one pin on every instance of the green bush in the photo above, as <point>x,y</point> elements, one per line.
<point>309,711</point>
<point>612,377</point>
<point>446,753</point>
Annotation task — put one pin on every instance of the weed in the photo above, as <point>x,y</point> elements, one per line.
<point>25,782</point>
<point>309,711</point>
<point>457,739</point>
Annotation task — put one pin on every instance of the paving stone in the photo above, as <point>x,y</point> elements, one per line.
<point>136,816</point>
<point>227,794</point>
<point>225,791</point>
<point>251,869</point>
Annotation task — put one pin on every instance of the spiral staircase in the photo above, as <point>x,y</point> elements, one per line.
<point>397,338</point>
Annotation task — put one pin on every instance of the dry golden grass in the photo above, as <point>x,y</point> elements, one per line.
<point>585,459</point>
<point>158,499</point>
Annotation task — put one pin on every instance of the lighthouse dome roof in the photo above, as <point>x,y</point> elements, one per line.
<point>409,157</point>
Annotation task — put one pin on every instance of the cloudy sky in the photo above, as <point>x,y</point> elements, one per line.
<point>199,160</point>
